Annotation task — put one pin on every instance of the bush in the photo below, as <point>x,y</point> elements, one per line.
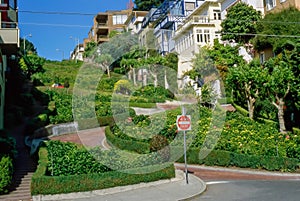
<point>126,144</point>
<point>225,158</point>
<point>6,167</point>
<point>42,184</point>
<point>241,110</point>
<point>159,144</point>
<point>154,94</point>
<point>68,159</point>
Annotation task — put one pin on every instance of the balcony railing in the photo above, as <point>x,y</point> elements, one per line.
<point>197,20</point>
<point>99,25</point>
<point>202,20</point>
<point>9,33</point>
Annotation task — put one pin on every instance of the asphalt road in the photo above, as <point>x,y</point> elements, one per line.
<point>251,190</point>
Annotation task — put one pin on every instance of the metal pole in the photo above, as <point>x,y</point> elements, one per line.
<point>185,163</point>
<point>184,149</point>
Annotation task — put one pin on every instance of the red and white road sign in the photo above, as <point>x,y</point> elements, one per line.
<point>183,122</point>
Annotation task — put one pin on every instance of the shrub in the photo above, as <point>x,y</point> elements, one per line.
<point>225,158</point>
<point>68,159</point>
<point>6,167</point>
<point>42,184</point>
<point>126,144</point>
<point>159,144</point>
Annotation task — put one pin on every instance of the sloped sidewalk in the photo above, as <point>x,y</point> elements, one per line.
<point>165,190</point>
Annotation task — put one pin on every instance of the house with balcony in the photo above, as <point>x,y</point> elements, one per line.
<point>106,22</point>
<point>77,53</point>
<point>199,29</point>
<point>9,45</point>
<point>134,21</point>
<point>164,20</point>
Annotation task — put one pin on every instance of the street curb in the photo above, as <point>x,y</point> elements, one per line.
<point>202,190</point>
<point>240,170</point>
<point>117,189</point>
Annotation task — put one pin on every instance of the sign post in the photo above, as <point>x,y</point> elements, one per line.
<point>183,123</point>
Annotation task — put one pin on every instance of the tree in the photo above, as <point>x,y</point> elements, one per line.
<point>240,21</point>
<point>224,57</point>
<point>146,5</point>
<point>118,45</point>
<point>105,60</point>
<point>249,80</point>
<point>29,47</point>
<point>284,24</point>
<point>31,64</point>
<point>279,85</point>
<point>89,49</point>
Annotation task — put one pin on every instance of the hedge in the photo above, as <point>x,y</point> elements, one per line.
<point>130,145</point>
<point>42,184</point>
<point>6,167</point>
<point>142,105</point>
<point>241,110</point>
<point>226,158</point>
<point>296,131</point>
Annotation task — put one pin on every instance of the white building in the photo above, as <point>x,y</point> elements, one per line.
<point>199,29</point>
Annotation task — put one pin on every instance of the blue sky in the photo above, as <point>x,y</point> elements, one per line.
<point>51,33</point>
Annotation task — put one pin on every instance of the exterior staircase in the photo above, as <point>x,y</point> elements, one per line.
<point>24,167</point>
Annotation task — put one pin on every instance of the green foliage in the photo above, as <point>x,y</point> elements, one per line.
<point>117,46</point>
<point>6,167</point>
<point>231,159</point>
<point>7,144</point>
<point>57,72</point>
<point>31,64</point>
<point>29,47</point>
<point>281,77</point>
<point>42,184</point>
<point>159,144</point>
<point>240,20</point>
<point>89,49</point>
<point>203,65</point>
<point>146,5</point>
<point>224,57</point>
<point>129,144</point>
<point>123,87</point>
<point>68,159</point>
<point>281,24</point>
<point>154,94</point>
<point>63,106</point>
<point>248,81</point>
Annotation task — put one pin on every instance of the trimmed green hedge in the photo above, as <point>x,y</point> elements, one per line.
<point>130,145</point>
<point>296,131</point>
<point>226,158</point>
<point>241,110</point>
<point>142,105</point>
<point>6,167</point>
<point>42,184</point>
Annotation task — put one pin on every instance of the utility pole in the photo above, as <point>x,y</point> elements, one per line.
<point>24,43</point>
<point>77,47</point>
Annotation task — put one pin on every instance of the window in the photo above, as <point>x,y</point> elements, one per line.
<point>262,57</point>
<point>203,35</point>
<point>12,4</point>
<point>270,4</point>
<point>119,19</point>
<point>189,6</point>
<point>217,14</point>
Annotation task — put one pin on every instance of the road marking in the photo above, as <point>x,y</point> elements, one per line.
<point>217,182</point>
